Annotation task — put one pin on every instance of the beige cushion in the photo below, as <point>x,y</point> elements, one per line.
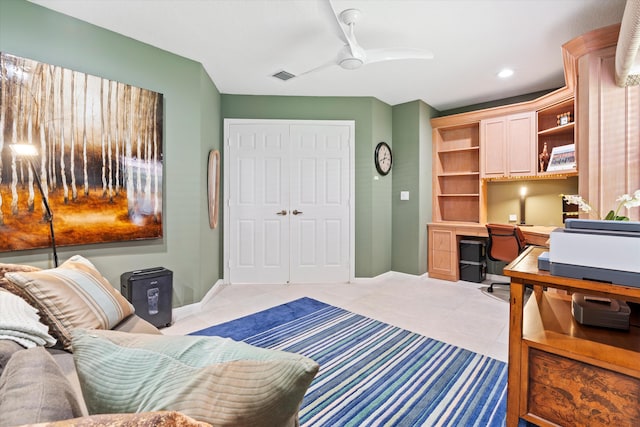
<point>9,268</point>
<point>151,419</point>
<point>73,295</point>
<point>136,324</point>
<point>212,379</point>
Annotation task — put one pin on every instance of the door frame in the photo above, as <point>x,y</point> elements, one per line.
<point>226,187</point>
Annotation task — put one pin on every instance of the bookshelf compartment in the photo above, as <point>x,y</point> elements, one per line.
<point>456,173</point>
<point>549,322</point>
<point>463,208</point>
<point>459,138</point>
<point>460,161</point>
<point>555,133</point>
<point>459,184</point>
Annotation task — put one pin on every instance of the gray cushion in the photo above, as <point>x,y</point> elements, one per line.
<point>7,348</point>
<point>137,325</point>
<point>34,390</point>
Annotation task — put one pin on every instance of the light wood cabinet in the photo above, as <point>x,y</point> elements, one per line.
<point>443,256</point>
<point>562,372</point>
<point>508,146</point>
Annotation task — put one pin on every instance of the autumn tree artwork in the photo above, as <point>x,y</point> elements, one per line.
<point>99,157</point>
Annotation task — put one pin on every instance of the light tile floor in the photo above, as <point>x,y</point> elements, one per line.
<point>459,313</point>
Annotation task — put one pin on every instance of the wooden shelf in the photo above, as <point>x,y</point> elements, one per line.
<point>568,128</point>
<point>458,150</point>
<point>459,195</point>
<point>449,174</point>
<point>549,325</point>
<point>557,174</point>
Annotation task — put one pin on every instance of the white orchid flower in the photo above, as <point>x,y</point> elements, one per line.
<point>632,201</point>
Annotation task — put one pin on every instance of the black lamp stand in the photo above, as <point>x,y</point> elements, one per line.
<point>49,215</point>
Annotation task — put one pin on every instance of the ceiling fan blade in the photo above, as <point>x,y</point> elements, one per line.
<point>345,35</point>
<point>379,55</point>
<point>318,68</point>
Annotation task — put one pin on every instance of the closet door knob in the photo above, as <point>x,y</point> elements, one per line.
<point>282,212</point>
<point>296,212</point>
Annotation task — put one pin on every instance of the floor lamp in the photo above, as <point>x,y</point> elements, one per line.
<point>28,151</point>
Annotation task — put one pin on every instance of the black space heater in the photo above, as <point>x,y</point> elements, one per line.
<point>151,293</point>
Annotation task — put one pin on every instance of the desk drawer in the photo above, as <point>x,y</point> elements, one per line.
<point>571,393</point>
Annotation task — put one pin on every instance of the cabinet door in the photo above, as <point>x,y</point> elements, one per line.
<point>521,137</point>
<point>442,262</point>
<point>493,154</point>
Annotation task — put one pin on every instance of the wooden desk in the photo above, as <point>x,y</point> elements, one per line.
<point>561,372</point>
<point>444,240</point>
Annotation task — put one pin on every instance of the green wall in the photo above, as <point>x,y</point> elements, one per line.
<point>412,173</point>
<point>194,110</point>
<point>191,128</point>
<point>373,119</point>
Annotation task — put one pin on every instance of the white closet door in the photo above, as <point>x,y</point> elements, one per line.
<point>319,203</point>
<point>259,203</point>
<point>287,209</point>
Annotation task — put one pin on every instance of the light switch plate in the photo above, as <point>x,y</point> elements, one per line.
<point>513,217</point>
<point>404,195</point>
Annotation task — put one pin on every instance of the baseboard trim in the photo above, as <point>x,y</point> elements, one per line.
<point>388,275</point>
<point>180,313</point>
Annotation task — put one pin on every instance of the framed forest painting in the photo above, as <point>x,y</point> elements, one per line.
<point>99,157</point>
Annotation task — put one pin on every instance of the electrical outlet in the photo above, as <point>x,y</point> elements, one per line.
<point>513,217</point>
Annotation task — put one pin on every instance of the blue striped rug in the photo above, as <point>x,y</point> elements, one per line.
<point>375,374</point>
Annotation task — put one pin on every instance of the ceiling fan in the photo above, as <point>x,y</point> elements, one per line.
<point>352,55</point>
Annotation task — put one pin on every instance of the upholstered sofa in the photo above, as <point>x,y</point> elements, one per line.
<point>110,367</point>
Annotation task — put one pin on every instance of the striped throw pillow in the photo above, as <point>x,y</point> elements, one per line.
<point>73,295</point>
<point>216,380</point>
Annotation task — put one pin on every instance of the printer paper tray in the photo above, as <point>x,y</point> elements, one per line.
<point>617,277</point>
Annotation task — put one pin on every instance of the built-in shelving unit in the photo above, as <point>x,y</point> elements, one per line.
<point>456,159</point>
<point>556,134</point>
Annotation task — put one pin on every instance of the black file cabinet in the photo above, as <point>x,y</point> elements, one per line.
<point>473,264</point>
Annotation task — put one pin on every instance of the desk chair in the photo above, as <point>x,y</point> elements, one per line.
<point>505,243</point>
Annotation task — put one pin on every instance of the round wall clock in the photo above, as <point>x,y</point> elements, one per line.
<point>383,158</point>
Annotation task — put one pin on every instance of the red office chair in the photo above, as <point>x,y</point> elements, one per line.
<point>505,243</point>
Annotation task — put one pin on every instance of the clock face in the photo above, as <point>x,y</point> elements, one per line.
<point>383,158</point>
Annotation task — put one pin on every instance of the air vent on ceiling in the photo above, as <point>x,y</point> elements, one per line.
<point>283,75</point>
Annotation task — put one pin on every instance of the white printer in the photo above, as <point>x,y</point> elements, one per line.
<point>605,251</point>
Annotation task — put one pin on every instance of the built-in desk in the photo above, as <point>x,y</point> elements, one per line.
<point>444,239</point>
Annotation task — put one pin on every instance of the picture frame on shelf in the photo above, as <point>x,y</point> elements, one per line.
<point>563,158</point>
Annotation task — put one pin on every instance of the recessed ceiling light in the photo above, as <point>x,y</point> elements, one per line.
<point>506,72</point>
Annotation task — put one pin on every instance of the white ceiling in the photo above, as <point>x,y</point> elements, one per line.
<point>242,43</point>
